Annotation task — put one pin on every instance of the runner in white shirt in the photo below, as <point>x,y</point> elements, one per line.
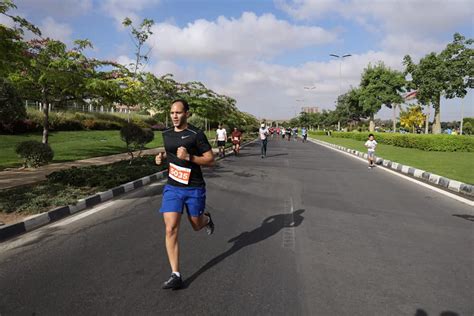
<point>371,144</point>
<point>221,137</point>
<point>263,135</point>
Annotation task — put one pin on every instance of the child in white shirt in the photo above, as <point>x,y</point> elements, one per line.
<point>371,144</point>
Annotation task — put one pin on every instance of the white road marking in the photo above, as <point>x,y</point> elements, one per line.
<point>83,214</point>
<point>448,194</point>
<point>289,229</point>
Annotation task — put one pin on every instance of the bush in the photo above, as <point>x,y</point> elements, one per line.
<point>34,153</point>
<point>447,143</point>
<point>136,137</point>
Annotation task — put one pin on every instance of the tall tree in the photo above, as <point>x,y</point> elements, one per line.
<point>444,74</point>
<point>348,109</point>
<point>53,74</point>
<point>379,86</point>
<point>132,94</point>
<point>12,57</point>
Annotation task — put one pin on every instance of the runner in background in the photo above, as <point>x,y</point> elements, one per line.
<point>236,140</point>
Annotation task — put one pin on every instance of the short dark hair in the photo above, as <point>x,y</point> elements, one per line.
<point>183,102</point>
<point>371,135</point>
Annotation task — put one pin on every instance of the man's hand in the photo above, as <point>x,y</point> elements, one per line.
<point>159,159</point>
<point>182,153</point>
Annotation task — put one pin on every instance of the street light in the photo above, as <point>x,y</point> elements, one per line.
<point>298,100</point>
<point>340,66</point>
<point>340,57</point>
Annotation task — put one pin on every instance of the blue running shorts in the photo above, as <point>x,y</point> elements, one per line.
<point>176,198</point>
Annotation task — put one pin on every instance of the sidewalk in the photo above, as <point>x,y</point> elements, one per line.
<point>17,177</point>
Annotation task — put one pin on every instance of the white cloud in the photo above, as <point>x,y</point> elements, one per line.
<point>415,16</point>
<point>410,26</point>
<point>227,40</point>
<point>55,30</point>
<point>56,8</point>
<point>119,9</point>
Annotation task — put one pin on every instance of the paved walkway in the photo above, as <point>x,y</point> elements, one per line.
<point>18,177</point>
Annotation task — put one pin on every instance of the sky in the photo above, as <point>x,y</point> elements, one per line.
<point>264,52</point>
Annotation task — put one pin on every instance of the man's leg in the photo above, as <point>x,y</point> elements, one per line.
<point>265,147</point>
<point>172,220</point>
<point>198,222</point>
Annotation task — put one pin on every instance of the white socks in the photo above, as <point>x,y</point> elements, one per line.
<point>177,274</point>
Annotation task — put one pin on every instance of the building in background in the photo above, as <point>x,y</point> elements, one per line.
<point>310,109</point>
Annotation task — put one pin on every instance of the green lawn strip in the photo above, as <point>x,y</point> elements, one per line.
<point>453,165</point>
<point>67,186</point>
<point>70,146</point>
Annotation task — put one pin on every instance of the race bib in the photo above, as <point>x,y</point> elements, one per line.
<point>236,138</point>
<point>179,174</point>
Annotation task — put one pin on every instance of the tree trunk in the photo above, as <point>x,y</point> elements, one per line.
<point>46,117</point>
<point>427,122</point>
<point>371,124</point>
<point>437,116</point>
<point>394,127</point>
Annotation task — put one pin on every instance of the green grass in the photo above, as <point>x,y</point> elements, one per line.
<point>68,146</point>
<point>73,145</point>
<point>453,165</point>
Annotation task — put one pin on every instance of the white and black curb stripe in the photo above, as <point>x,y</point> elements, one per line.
<point>63,211</point>
<point>58,213</point>
<point>446,183</point>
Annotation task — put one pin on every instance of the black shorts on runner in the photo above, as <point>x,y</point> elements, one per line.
<point>221,143</point>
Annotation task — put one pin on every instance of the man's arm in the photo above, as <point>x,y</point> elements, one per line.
<point>207,159</point>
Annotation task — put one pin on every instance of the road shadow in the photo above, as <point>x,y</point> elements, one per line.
<point>422,312</point>
<point>277,155</point>
<point>269,227</point>
<point>465,216</point>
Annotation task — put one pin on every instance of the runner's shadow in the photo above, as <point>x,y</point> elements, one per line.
<point>269,227</point>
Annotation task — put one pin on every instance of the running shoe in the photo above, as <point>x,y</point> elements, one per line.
<point>210,225</point>
<point>174,282</point>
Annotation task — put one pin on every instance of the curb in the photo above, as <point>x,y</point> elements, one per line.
<point>58,213</point>
<point>431,178</point>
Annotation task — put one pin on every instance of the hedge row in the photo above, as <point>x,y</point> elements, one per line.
<point>67,121</point>
<point>448,143</point>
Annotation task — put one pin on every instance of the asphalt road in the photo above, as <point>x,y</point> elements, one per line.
<point>306,231</point>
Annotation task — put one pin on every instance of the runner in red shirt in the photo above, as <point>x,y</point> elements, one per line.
<point>236,139</point>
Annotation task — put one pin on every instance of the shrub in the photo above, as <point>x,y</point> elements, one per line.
<point>447,143</point>
<point>34,153</point>
<point>135,137</point>
<point>467,128</point>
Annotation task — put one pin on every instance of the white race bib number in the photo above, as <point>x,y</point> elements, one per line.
<point>179,174</point>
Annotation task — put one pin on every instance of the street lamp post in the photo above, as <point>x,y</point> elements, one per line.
<point>340,57</point>
<point>298,100</point>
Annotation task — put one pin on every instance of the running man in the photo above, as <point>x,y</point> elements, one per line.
<point>304,134</point>
<point>288,133</point>
<point>221,137</point>
<point>187,149</point>
<point>236,139</point>
<point>263,134</point>
<point>371,143</point>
